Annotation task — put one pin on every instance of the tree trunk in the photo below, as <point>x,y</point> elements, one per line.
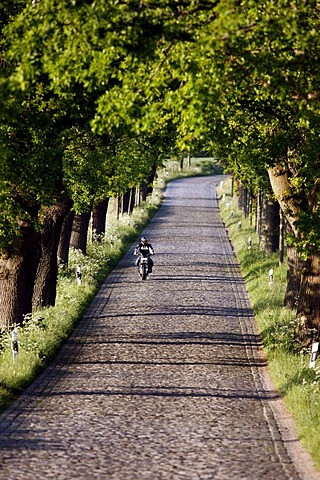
<point>99,215</point>
<point>126,201</point>
<point>269,227</point>
<point>308,307</point>
<point>282,190</point>
<point>309,296</point>
<point>259,212</point>
<point>137,196</point>
<point>250,209</point>
<point>282,229</point>
<point>189,161</point>
<point>45,289</point>
<point>150,182</point>
<point>79,233</point>
<point>144,191</point>
<point>64,242</point>
<point>244,199</point>
<point>245,202</point>
<point>117,206</point>
<point>239,196</point>
<point>132,200</point>
<point>18,266</point>
<point>294,272</point>
<point>147,187</point>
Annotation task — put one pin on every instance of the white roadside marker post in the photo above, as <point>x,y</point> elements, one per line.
<point>14,344</point>
<point>78,275</point>
<point>314,354</point>
<point>270,275</point>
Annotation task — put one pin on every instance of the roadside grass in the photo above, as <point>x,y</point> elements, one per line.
<point>43,333</point>
<point>288,362</point>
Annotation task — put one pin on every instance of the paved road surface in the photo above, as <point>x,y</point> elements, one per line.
<point>162,379</point>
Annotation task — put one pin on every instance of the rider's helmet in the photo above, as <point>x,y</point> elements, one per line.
<point>144,240</point>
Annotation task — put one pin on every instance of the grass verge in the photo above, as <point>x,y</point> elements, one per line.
<point>288,364</point>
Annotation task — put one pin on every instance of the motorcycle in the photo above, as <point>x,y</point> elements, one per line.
<point>144,266</point>
<point>144,262</point>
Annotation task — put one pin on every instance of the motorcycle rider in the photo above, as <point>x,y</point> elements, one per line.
<point>144,248</point>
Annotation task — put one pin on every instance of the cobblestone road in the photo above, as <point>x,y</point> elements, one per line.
<point>162,379</point>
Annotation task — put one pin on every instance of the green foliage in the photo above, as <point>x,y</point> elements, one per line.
<point>241,80</point>
<point>9,9</point>
<point>209,167</point>
<point>249,93</point>
<point>281,333</point>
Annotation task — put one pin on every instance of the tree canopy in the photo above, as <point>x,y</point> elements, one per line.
<point>93,92</point>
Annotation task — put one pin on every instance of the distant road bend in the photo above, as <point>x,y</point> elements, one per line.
<point>162,379</point>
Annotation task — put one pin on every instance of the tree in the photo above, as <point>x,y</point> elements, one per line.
<point>99,214</point>
<point>44,290</point>
<point>27,138</point>
<point>252,86</point>
<point>238,78</point>
<point>48,107</point>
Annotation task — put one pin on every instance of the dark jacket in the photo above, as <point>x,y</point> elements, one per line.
<point>144,249</point>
